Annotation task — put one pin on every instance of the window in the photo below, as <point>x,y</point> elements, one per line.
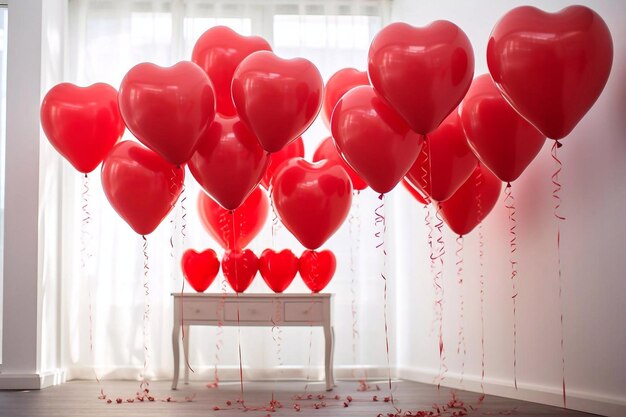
<point>106,39</point>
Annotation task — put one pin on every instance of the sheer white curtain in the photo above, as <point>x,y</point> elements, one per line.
<point>106,39</point>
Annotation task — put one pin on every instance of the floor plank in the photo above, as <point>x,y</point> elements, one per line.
<point>80,398</point>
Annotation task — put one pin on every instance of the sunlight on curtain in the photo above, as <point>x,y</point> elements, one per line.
<point>107,39</point>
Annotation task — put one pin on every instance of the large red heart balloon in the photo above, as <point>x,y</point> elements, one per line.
<point>239,268</point>
<point>293,150</point>
<point>502,140</point>
<point>141,186</point>
<point>312,200</point>
<point>229,162</point>
<point>167,108</point>
<point>374,139</point>
<point>82,123</point>
<point>277,98</point>
<point>278,269</point>
<point>414,192</point>
<point>422,72</point>
<point>551,67</point>
<point>471,204</point>
<point>219,51</point>
<point>339,84</point>
<point>317,268</point>
<point>328,150</point>
<point>200,269</point>
<point>445,162</point>
<point>236,233</point>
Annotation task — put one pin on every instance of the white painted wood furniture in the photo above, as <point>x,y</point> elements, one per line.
<point>209,309</point>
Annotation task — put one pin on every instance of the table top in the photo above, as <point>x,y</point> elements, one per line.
<point>243,296</point>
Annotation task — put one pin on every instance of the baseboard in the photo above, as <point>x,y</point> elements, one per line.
<point>31,381</point>
<point>231,373</point>
<point>576,400</point>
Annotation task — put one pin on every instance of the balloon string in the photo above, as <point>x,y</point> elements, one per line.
<point>509,203</point>
<point>182,324</point>
<point>315,273</point>
<point>481,255</point>
<point>355,232</point>
<point>556,194</point>
<point>461,347</point>
<point>426,177</point>
<point>275,220</point>
<point>277,331</point>
<point>145,384</point>
<point>439,294</point>
<point>85,241</point>
<point>219,312</point>
<point>381,225</point>
<point>243,401</point>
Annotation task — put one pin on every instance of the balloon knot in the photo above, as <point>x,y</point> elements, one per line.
<point>558,144</point>
<point>381,196</point>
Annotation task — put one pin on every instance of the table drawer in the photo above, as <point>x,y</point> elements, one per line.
<point>202,310</point>
<point>251,312</point>
<point>303,312</point>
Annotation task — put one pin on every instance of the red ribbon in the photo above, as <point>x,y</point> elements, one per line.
<point>459,274</point>
<point>556,194</point>
<point>509,203</point>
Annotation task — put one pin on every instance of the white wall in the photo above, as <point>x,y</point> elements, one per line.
<point>593,258</point>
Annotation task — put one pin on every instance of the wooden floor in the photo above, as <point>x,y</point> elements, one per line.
<point>80,398</point>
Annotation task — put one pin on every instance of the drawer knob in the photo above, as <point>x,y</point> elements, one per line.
<point>197,310</point>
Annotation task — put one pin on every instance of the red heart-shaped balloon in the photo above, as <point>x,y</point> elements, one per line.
<point>277,98</point>
<point>219,51</point>
<point>141,186</point>
<point>551,67</point>
<point>312,200</point>
<point>239,268</point>
<point>502,140</point>
<point>82,123</point>
<point>229,162</point>
<point>328,150</point>
<point>422,72</point>
<point>167,108</point>
<point>248,221</point>
<point>200,269</point>
<point>278,269</point>
<point>339,84</point>
<point>317,268</point>
<point>293,150</point>
<point>414,192</point>
<point>374,139</point>
<point>471,204</point>
<point>445,161</point>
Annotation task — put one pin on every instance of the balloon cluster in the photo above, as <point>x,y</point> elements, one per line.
<point>235,114</point>
<point>278,269</point>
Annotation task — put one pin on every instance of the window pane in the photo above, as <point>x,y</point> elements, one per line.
<point>3,98</point>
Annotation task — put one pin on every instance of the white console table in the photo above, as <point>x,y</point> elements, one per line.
<point>209,309</point>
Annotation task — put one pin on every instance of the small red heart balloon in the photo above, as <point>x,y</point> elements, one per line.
<point>293,150</point>
<point>277,98</point>
<point>317,268</point>
<point>200,269</point>
<point>422,72</point>
<point>445,162</point>
<point>414,192</point>
<point>229,162</point>
<point>328,150</point>
<point>219,51</point>
<point>236,233</point>
<point>239,268</point>
<point>502,140</point>
<point>278,269</point>
<point>167,108</point>
<point>551,67</point>
<point>339,84</point>
<point>374,139</point>
<point>82,123</point>
<point>140,185</point>
<point>471,204</point>
<point>311,200</point>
